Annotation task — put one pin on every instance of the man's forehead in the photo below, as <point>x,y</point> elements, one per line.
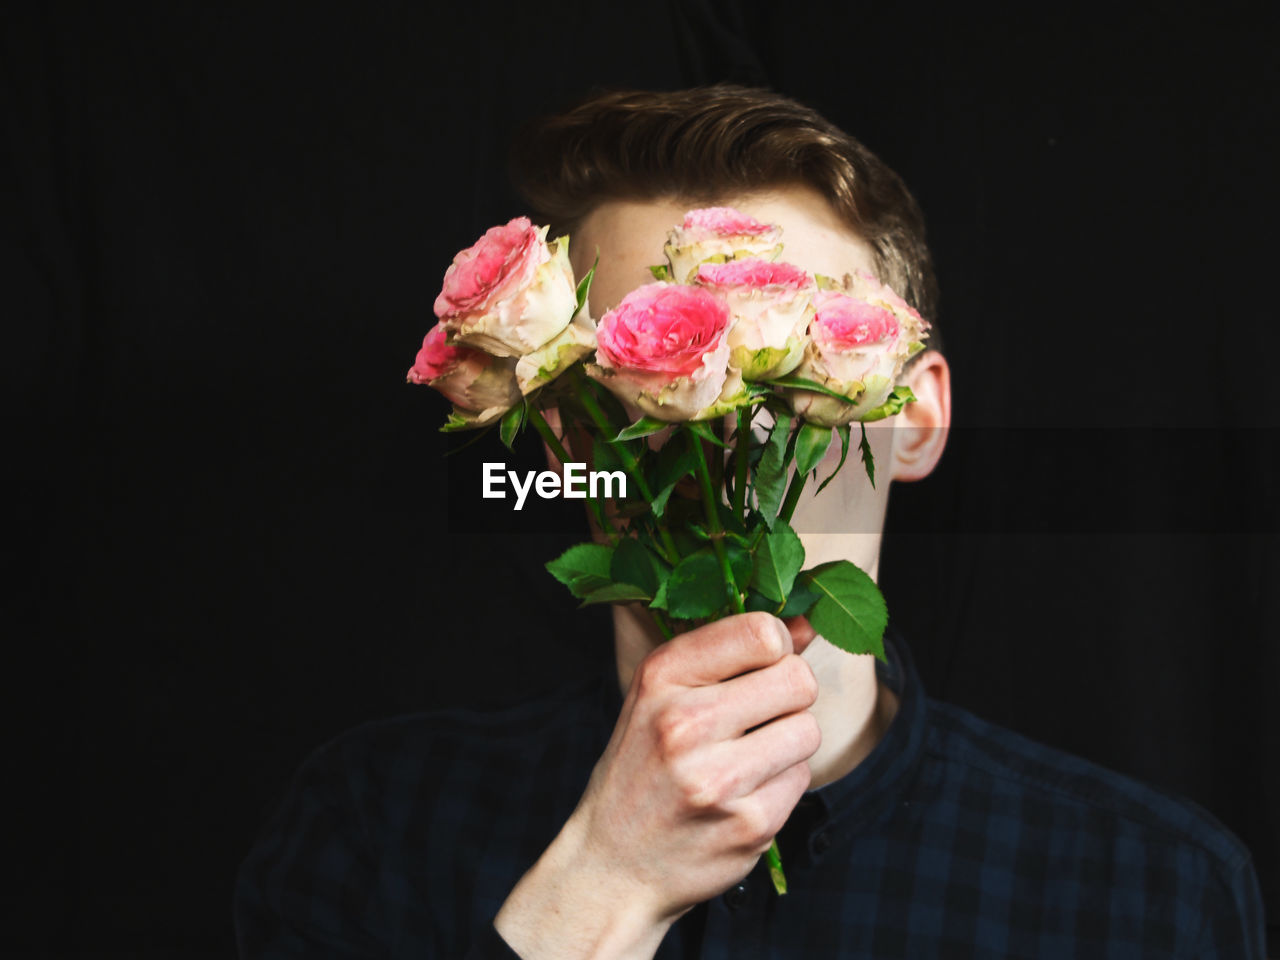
<point>629,236</point>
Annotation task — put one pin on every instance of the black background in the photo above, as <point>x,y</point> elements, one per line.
<point>225,227</point>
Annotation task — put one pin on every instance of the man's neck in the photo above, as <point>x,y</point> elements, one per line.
<point>853,709</point>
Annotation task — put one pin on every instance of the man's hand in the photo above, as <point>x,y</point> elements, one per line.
<point>707,760</point>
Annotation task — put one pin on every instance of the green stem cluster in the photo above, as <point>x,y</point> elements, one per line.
<point>601,420</point>
<point>742,461</point>
<point>553,443</point>
<point>711,504</point>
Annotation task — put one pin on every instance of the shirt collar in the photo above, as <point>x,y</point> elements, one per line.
<point>830,816</point>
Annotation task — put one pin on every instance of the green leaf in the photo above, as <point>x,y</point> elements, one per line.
<point>695,588</point>
<point>455,423</point>
<point>850,611</point>
<point>686,543</point>
<point>800,602</point>
<point>675,462</point>
<point>643,427</point>
<point>898,399</point>
<point>459,421</point>
<point>730,522</point>
<point>811,444</point>
<point>661,272</point>
<point>584,285</point>
<point>777,561</point>
<point>868,460</point>
<point>604,456</point>
<point>633,564</point>
<point>702,428</point>
<point>800,383</point>
<point>616,593</point>
<point>583,568</point>
<point>659,601</point>
<point>740,564</point>
<point>771,474</point>
<point>511,423</point>
<point>843,431</point>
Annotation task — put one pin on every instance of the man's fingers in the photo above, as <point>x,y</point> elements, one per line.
<point>760,815</point>
<point>777,746</point>
<point>719,650</point>
<point>728,771</point>
<point>735,706</point>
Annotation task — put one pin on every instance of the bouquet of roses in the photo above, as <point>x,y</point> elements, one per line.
<point>732,373</point>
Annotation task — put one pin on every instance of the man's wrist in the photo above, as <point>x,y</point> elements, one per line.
<point>568,906</point>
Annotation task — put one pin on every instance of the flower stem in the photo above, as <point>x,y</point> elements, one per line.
<point>774,860</point>
<point>742,460</point>
<point>793,496</point>
<point>628,460</point>
<point>547,434</point>
<point>711,503</point>
<point>551,440</point>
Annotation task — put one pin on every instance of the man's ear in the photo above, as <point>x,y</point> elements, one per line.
<point>920,430</point>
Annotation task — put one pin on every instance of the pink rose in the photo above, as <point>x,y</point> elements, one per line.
<point>852,336</point>
<point>707,222</point>
<point>756,273</point>
<point>480,386</point>
<point>859,342</point>
<point>869,287</point>
<point>771,305</point>
<point>665,350</point>
<point>718,234</point>
<point>490,269</point>
<point>510,293</point>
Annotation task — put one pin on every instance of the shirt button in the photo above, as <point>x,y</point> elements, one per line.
<point>735,897</point>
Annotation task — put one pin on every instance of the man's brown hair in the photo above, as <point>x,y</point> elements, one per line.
<point>710,143</point>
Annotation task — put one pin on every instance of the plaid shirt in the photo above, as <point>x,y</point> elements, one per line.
<point>954,838</point>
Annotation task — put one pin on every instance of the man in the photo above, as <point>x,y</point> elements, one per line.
<point>628,820</point>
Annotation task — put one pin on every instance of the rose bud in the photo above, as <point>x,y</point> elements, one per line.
<point>718,234</point>
<point>481,387</point>
<point>510,293</point>
<point>771,304</point>
<point>859,343</point>
<point>664,349</point>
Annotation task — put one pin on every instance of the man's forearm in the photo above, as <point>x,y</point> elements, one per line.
<point>564,907</point>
